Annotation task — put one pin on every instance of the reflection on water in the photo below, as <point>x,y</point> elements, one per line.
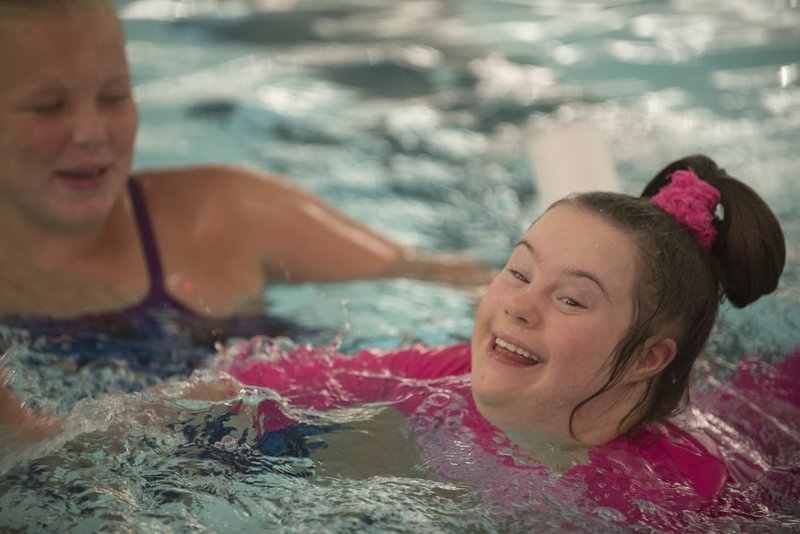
<point>159,460</point>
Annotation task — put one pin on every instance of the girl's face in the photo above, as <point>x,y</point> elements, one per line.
<point>67,119</point>
<point>547,326</point>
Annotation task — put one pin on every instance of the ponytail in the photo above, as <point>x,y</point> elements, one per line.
<point>749,251</point>
<point>680,282</point>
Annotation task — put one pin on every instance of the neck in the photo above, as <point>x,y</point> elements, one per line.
<point>555,453</point>
<point>601,420</point>
<point>606,417</point>
<point>28,242</point>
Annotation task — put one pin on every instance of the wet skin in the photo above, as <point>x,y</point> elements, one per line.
<point>549,323</point>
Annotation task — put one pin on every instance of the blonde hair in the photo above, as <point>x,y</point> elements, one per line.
<point>17,8</point>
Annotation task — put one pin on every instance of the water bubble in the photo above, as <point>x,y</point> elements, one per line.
<point>610,514</point>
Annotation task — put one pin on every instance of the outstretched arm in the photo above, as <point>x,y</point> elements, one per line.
<point>303,238</point>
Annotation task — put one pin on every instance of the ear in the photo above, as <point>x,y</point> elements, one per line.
<point>656,355</point>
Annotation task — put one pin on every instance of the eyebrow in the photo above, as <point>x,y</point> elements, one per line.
<point>574,273</point>
<point>54,86</point>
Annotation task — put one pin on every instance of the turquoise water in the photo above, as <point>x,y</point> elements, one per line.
<point>414,117</point>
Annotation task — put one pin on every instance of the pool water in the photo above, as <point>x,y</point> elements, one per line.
<point>415,117</point>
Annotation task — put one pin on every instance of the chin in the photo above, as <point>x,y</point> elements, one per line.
<point>491,394</point>
<point>497,412</point>
<point>88,214</point>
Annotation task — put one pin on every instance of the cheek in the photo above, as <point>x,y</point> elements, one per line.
<point>36,137</point>
<point>484,317</point>
<point>488,308</point>
<point>25,150</point>
<point>586,352</point>
<point>124,126</point>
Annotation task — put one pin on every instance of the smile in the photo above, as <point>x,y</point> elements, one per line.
<point>83,174</point>
<point>509,347</point>
<point>84,180</point>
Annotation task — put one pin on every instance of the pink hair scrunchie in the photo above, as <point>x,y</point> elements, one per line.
<point>693,202</point>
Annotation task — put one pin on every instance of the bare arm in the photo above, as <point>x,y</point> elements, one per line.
<point>12,410</point>
<point>303,238</point>
<point>21,423</point>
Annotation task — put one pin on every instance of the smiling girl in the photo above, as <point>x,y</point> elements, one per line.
<point>584,344</point>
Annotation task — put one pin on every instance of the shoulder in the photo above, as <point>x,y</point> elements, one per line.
<point>210,182</point>
<point>223,198</point>
<point>242,195</point>
<point>677,456</point>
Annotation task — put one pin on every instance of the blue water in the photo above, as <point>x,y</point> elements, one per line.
<point>414,117</point>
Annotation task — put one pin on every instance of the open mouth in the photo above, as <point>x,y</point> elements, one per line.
<point>87,177</point>
<point>516,353</point>
<point>83,174</point>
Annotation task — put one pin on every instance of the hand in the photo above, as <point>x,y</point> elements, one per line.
<point>19,424</point>
<point>456,269</point>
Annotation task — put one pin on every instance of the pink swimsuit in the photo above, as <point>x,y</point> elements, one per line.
<point>629,480</point>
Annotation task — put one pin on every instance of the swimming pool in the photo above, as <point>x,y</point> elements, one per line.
<point>413,116</point>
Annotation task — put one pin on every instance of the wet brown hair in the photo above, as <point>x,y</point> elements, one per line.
<point>679,285</point>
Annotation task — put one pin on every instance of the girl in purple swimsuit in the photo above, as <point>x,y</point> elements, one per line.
<point>86,242</point>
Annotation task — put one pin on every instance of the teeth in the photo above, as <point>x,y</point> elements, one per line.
<point>502,343</point>
<point>82,173</point>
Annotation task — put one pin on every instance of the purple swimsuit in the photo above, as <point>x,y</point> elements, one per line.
<point>158,316</point>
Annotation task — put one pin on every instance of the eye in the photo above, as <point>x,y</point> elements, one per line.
<point>47,107</point>
<point>572,303</point>
<point>518,275</point>
<point>115,98</point>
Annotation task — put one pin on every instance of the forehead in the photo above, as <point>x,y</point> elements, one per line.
<point>570,238</point>
<point>21,8</point>
<point>43,46</point>
<point>84,19</point>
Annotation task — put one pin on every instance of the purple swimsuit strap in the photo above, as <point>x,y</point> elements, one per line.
<point>157,297</point>
<point>147,236</point>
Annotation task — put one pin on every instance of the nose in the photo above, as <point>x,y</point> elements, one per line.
<point>524,307</point>
<point>89,129</point>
